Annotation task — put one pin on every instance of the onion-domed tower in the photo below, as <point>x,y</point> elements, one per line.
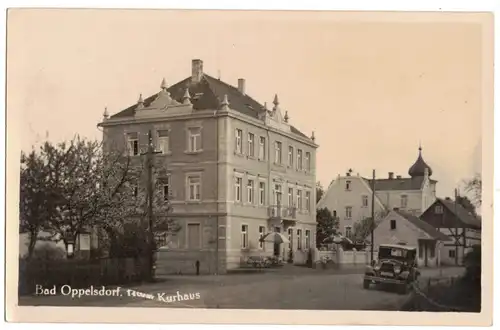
<point>419,167</point>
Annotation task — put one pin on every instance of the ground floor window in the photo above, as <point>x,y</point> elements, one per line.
<point>262,232</point>
<point>308,239</point>
<point>421,247</point>
<point>432,246</point>
<point>244,236</point>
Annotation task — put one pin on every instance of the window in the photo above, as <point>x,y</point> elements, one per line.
<point>451,253</point>
<point>166,188</point>
<point>262,193</point>
<point>133,144</point>
<point>364,200</point>
<point>194,143</point>
<point>290,196</point>
<point>308,239</point>
<point>290,156</point>
<point>194,237</point>
<point>290,238</point>
<point>348,231</point>
<point>393,224</point>
<point>335,213</point>
<point>299,239</point>
<point>404,201</point>
<point>299,159</point>
<point>194,188</point>
<point>348,185</point>
<point>432,246</point>
<point>238,144</point>
<point>277,152</point>
<point>262,148</point>
<point>348,212</point>
<point>251,145</point>
<point>237,189</point>
<point>262,232</point>
<point>308,200</point>
<point>250,192</point>
<point>244,236</point>
<point>277,194</point>
<point>308,161</point>
<point>299,199</point>
<point>163,141</point>
<point>438,209</point>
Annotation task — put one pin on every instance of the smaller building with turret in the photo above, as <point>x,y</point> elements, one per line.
<point>349,197</point>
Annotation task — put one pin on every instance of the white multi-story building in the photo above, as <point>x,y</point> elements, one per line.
<point>349,197</point>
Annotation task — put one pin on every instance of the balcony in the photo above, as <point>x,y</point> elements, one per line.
<point>280,212</point>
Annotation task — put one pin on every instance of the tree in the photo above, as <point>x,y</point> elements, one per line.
<point>467,204</point>
<point>362,229</point>
<point>319,191</point>
<point>34,207</point>
<point>474,187</point>
<point>86,188</point>
<point>327,225</point>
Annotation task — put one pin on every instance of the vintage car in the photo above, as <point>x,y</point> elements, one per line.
<point>396,266</point>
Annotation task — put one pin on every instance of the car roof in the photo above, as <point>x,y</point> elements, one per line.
<point>398,246</point>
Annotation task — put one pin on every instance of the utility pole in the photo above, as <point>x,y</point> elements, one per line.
<point>150,163</point>
<point>457,237</point>
<point>373,216</point>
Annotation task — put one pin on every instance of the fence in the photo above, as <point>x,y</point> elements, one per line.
<point>443,294</point>
<point>342,257</point>
<point>79,273</point>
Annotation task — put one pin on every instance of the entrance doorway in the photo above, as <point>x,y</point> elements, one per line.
<point>277,245</point>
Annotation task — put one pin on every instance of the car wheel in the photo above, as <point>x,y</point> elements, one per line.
<point>366,284</point>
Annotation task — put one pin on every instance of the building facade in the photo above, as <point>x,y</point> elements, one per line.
<point>398,227</point>
<point>460,225</point>
<point>232,169</point>
<point>349,197</point>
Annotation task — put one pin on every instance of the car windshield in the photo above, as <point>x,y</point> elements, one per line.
<point>392,253</point>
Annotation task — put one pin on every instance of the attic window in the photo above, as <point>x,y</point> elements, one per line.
<point>393,224</point>
<point>348,185</point>
<point>197,96</point>
<point>438,209</point>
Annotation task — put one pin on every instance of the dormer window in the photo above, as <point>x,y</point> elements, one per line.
<point>348,185</point>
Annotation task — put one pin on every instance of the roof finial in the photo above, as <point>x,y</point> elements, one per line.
<point>164,85</point>
<point>265,106</point>
<point>276,102</point>
<point>286,117</point>
<point>419,147</point>
<point>140,102</point>
<point>313,137</point>
<point>186,99</point>
<point>105,114</point>
<point>225,103</point>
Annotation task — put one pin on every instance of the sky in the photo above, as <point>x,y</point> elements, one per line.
<point>371,87</point>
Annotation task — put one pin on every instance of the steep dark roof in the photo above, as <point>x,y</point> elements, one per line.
<point>418,168</point>
<point>398,184</point>
<point>208,95</point>
<point>429,229</point>
<point>461,213</point>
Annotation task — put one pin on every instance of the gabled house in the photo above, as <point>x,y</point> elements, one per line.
<point>399,227</point>
<point>349,197</point>
<point>453,220</point>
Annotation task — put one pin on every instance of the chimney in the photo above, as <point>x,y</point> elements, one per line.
<point>398,177</point>
<point>196,71</point>
<point>396,209</point>
<point>391,175</point>
<point>241,85</point>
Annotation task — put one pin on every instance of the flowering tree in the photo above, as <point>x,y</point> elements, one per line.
<point>74,187</point>
<point>362,229</point>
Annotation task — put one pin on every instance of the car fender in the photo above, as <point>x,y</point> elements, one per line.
<point>369,270</point>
